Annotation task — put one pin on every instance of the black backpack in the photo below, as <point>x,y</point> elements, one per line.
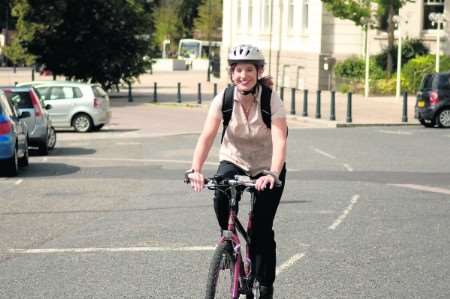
<point>228,101</point>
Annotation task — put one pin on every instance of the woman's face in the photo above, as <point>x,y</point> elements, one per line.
<point>244,76</point>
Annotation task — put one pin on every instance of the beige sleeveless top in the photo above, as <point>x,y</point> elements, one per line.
<point>247,143</point>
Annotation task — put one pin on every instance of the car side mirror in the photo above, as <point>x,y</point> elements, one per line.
<point>48,107</point>
<point>24,114</point>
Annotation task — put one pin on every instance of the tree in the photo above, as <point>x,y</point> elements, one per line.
<point>25,31</point>
<point>209,21</point>
<point>168,24</point>
<point>90,40</point>
<point>359,12</point>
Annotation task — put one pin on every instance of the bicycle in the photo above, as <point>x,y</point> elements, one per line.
<point>230,274</point>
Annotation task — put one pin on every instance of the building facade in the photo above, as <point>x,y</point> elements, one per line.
<point>302,41</point>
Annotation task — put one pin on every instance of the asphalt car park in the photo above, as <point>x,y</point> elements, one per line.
<point>364,215</point>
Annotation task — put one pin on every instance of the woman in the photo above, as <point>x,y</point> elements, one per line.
<point>249,147</point>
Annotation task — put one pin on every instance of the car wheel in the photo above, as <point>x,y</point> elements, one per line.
<point>98,128</point>
<point>51,140</point>
<point>82,123</point>
<point>425,124</point>
<point>24,161</point>
<point>12,165</point>
<point>443,118</point>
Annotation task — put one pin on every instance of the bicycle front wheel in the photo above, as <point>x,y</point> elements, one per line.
<point>220,275</point>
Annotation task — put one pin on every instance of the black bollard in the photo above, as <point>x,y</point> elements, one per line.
<point>405,107</point>
<point>293,101</point>
<point>199,89</point>
<point>178,92</point>
<point>155,93</point>
<point>305,103</point>
<point>215,89</point>
<point>318,114</point>
<point>349,107</point>
<point>130,94</point>
<point>33,71</point>
<point>333,105</point>
<point>282,93</point>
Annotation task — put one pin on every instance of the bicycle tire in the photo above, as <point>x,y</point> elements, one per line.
<point>221,270</point>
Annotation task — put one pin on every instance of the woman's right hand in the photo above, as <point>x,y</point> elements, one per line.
<point>197,181</point>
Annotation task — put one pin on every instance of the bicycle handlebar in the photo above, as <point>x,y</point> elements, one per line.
<point>217,181</point>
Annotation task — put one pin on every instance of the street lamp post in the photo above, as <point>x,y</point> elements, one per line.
<point>439,19</point>
<point>398,21</point>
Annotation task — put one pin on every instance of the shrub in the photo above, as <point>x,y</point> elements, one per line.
<point>416,68</point>
<point>354,68</point>
<point>410,49</point>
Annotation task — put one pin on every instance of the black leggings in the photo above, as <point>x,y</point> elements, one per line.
<point>263,244</point>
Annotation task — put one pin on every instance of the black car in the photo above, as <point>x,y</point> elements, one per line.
<point>433,100</point>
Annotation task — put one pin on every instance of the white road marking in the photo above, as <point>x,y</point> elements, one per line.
<point>108,249</point>
<point>18,182</point>
<point>324,153</point>
<point>423,188</point>
<point>348,167</point>
<point>345,213</point>
<point>131,160</point>
<point>395,132</point>
<point>283,267</point>
<point>45,159</point>
<point>128,143</point>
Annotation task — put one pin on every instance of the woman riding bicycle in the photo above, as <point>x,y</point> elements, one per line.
<point>250,148</point>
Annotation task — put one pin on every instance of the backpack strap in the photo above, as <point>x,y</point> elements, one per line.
<point>227,108</point>
<point>266,94</point>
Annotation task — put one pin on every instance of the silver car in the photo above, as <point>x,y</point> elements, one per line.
<point>41,133</point>
<point>83,106</point>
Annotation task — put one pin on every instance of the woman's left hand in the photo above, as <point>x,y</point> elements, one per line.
<point>264,181</point>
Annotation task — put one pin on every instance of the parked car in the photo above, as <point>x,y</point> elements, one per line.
<point>83,106</point>
<point>433,100</point>
<point>41,133</point>
<point>13,137</point>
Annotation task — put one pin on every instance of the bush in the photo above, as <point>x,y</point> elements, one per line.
<point>353,68</point>
<point>416,68</point>
<point>410,49</point>
<point>384,87</point>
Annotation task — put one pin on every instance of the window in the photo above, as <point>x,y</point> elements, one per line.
<point>305,15</point>
<point>291,9</point>
<point>266,15</point>
<point>250,14</point>
<point>429,6</point>
<point>239,13</point>
<point>64,92</point>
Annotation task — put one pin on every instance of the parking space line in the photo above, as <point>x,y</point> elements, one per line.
<point>345,213</point>
<point>395,132</point>
<point>423,188</point>
<point>108,249</point>
<point>287,264</point>
<point>18,182</point>
<point>348,167</point>
<point>128,143</point>
<point>324,153</point>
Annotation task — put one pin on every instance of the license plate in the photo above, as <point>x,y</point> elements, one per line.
<point>421,104</point>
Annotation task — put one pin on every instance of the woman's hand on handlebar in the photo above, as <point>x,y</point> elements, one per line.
<point>264,181</point>
<point>197,180</point>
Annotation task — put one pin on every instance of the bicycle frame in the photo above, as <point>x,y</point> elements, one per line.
<point>242,270</point>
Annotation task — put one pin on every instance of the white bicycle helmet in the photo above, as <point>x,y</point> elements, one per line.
<point>245,54</point>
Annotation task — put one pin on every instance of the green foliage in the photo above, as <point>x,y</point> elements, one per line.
<point>168,23</point>
<point>416,68</point>
<point>384,86</point>
<point>410,49</point>
<point>209,20</point>
<point>355,11</point>
<point>91,40</point>
<point>25,32</point>
<point>354,68</point>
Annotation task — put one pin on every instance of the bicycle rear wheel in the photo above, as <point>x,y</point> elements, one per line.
<point>220,275</point>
